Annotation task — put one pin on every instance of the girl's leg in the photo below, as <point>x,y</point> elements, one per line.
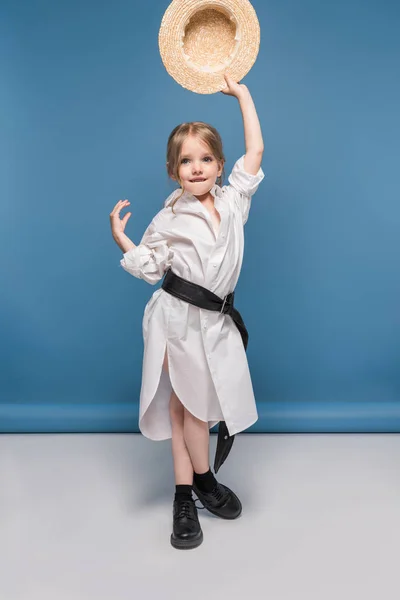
<point>182,464</point>
<point>217,498</point>
<point>190,440</point>
<point>186,530</point>
<point>183,468</point>
<point>197,437</point>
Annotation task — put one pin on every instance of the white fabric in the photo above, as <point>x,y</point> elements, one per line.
<point>207,362</point>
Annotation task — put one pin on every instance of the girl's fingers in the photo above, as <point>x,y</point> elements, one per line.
<point>118,207</point>
<point>122,203</point>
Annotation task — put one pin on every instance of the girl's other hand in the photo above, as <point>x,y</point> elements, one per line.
<point>232,88</point>
<point>118,225</point>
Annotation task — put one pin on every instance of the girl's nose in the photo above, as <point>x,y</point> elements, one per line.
<point>197,168</point>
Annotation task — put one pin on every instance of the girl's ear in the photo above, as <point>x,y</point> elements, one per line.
<point>171,174</point>
<point>220,168</point>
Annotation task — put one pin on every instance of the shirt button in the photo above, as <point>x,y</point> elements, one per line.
<point>215,266</point>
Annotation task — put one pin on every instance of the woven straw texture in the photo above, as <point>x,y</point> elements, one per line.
<point>199,40</point>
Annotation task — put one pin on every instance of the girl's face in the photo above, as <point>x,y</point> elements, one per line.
<point>198,168</point>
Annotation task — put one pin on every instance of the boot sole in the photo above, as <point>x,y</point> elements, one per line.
<point>215,511</point>
<point>187,544</point>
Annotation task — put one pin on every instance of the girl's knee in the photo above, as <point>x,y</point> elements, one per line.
<point>175,406</point>
<point>189,418</point>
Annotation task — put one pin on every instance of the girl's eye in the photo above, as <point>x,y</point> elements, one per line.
<point>185,161</point>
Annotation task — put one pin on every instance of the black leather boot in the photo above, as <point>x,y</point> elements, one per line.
<point>186,531</point>
<point>221,502</point>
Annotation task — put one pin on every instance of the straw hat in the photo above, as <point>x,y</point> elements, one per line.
<point>201,39</point>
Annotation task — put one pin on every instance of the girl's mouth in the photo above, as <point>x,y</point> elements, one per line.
<point>198,180</point>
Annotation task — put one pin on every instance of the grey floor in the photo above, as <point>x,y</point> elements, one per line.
<point>89,517</point>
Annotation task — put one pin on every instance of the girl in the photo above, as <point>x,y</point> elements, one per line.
<point>195,371</point>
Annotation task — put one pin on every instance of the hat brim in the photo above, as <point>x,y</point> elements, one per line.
<point>188,74</point>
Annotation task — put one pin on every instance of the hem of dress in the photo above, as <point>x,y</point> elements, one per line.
<point>211,423</point>
<point>232,430</point>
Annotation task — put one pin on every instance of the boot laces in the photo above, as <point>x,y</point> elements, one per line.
<point>219,493</point>
<point>186,510</point>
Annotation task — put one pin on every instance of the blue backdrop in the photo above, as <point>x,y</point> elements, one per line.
<point>86,108</point>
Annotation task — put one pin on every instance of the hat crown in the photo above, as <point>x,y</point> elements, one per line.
<point>210,39</point>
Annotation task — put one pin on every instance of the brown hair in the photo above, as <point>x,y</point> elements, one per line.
<point>207,134</point>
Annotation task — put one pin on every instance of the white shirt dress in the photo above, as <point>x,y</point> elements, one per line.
<point>207,363</point>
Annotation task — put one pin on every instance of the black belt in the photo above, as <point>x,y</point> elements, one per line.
<point>203,298</point>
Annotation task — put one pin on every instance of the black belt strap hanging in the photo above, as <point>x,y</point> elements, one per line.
<point>203,298</point>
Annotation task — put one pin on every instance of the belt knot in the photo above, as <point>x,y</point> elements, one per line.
<point>227,305</point>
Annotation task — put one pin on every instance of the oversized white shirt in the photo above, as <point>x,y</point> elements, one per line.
<point>207,362</point>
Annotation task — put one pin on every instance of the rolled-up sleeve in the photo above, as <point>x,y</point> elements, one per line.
<point>151,258</point>
<point>244,185</point>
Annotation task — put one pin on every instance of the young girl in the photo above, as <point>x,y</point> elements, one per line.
<point>195,371</point>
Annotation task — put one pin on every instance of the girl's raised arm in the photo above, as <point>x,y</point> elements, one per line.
<point>252,129</point>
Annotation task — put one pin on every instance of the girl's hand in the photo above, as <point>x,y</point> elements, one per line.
<point>232,88</point>
<point>118,225</point>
